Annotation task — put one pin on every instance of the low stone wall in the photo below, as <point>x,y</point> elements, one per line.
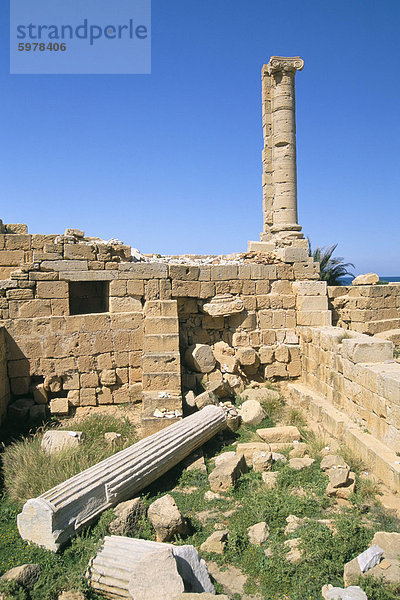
<point>356,374</point>
<point>367,309</point>
<point>4,386</point>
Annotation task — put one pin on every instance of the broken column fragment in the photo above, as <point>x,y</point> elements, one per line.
<point>55,516</point>
<point>110,571</point>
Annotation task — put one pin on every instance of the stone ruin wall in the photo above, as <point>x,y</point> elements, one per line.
<point>4,386</point>
<point>154,313</point>
<point>371,309</point>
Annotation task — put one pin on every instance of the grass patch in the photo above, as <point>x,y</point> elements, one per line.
<point>28,471</point>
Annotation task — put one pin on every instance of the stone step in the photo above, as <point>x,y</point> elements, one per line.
<point>378,457</point>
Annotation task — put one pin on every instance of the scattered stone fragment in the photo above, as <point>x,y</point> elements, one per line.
<point>59,406</point>
<point>299,450</point>
<point>24,575</point>
<point>385,564</point>
<point>261,394</point>
<point>55,440</point>
<point>216,542</point>
<point>225,356</point>
<point>227,473</point>
<point>166,518</point>
<point>248,449</point>
<point>71,595</point>
<point>167,583</point>
<point>112,437</point>
<point>19,410</point>
<point>293,523</point>
<point>270,479</point>
<point>209,496</point>
<point>128,516</point>
<point>205,399</point>
<point>205,516</point>
<point>333,461</point>
<point>252,412</point>
<point>366,279</point>
<point>294,555</point>
<point>200,358</point>
<point>268,552</point>
<point>370,557</point>
<point>196,462</point>
<point>354,592</point>
<point>338,477</point>
<point>285,434</point>
<point>39,393</point>
<point>261,461</point>
<point>258,533</point>
<point>221,458</point>
<point>277,457</point>
<point>343,492</point>
<point>301,463</point>
<point>202,596</point>
<point>230,578</point>
<point>190,399</point>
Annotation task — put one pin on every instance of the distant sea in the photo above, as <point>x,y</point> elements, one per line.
<point>348,280</point>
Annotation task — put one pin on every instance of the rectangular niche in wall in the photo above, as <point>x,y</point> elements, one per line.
<point>87,297</point>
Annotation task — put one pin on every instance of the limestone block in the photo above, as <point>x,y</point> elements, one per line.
<point>59,406</point>
<point>227,473</point>
<point>261,461</point>
<point>52,289</point>
<point>161,325</point>
<point>143,270</point>
<point>313,318</point>
<point>24,575</point>
<point>111,570</point>
<point>225,356</point>
<point>84,275</point>
<point>284,434</point>
<point>291,255</point>
<point>266,354</point>
<point>216,542</point>
<point>353,592</point>
<point>314,303</point>
<point>275,370</point>
<point>247,356</point>
<point>64,265</point>
<point>310,288</point>
<point>251,412</point>
<point>367,350</point>
<point>187,289</point>
<point>11,258</point>
<point>166,519</point>
<point>126,304</point>
<point>258,533</point>
<point>223,305</point>
<point>205,399</point>
<point>55,440</point>
<point>270,479</point>
<point>108,377</point>
<point>200,358</point>
<point>249,448</point>
<point>52,518</point>
<point>367,279</point>
<point>223,272</point>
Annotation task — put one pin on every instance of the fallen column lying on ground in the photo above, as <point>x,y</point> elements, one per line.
<point>55,516</point>
<point>111,571</point>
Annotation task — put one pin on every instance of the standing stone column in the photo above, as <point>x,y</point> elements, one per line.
<point>280,226</point>
<point>280,209</point>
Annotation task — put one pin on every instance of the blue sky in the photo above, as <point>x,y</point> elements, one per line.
<point>171,162</point>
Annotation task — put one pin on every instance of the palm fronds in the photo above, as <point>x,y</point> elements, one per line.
<point>332,268</point>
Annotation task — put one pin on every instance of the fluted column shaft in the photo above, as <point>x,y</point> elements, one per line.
<point>54,517</point>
